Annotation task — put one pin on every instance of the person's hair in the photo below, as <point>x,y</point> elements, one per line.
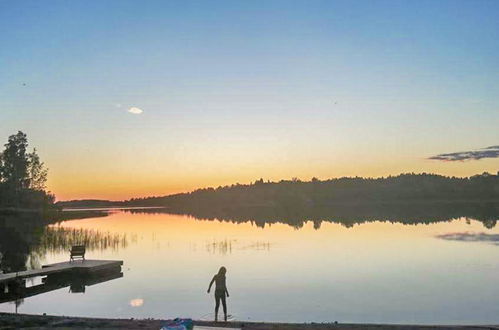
<point>222,271</point>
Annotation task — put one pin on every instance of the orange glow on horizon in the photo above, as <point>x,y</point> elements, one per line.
<point>120,185</point>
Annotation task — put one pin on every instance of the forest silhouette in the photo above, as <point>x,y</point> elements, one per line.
<point>406,198</point>
<point>402,188</point>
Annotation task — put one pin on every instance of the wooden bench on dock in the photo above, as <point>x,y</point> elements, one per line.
<point>77,251</point>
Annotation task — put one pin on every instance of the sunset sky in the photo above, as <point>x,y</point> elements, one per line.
<point>135,98</point>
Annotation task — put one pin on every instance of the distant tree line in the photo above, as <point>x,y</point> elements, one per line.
<point>406,198</point>
<point>83,203</point>
<point>22,177</point>
<point>292,194</point>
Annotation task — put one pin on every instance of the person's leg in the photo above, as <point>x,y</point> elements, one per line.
<point>217,305</point>
<point>224,305</point>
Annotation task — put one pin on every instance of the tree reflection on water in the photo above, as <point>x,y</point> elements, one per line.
<point>348,215</point>
<point>26,239</point>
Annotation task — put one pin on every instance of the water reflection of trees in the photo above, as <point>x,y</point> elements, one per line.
<point>347,215</point>
<point>16,239</point>
<point>26,239</point>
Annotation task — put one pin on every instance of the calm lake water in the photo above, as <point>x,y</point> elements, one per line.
<point>443,272</point>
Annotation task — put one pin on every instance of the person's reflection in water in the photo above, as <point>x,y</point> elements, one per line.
<point>220,291</point>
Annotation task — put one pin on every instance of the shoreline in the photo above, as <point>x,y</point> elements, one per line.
<point>19,321</point>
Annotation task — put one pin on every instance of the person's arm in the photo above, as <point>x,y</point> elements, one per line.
<point>227,291</point>
<point>211,283</point>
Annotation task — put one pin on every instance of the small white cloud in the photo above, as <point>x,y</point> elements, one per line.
<point>135,110</point>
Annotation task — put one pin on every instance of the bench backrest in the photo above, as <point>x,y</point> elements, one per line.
<point>78,249</point>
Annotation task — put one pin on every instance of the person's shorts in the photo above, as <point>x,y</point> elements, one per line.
<point>219,294</point>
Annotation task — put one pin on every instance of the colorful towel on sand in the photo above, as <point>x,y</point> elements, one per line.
<point>177,324</point>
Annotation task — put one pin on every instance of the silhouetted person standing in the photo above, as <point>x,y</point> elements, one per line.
<point>220,291</point>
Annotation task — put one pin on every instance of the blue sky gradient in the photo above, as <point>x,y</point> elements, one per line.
<point>237,90</point>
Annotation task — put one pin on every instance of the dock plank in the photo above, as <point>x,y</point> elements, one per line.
<point>80,265</point>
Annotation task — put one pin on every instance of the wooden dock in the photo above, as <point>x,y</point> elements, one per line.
<point>69,267</point>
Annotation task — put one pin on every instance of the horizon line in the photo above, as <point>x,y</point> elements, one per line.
<point>293,179</point>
